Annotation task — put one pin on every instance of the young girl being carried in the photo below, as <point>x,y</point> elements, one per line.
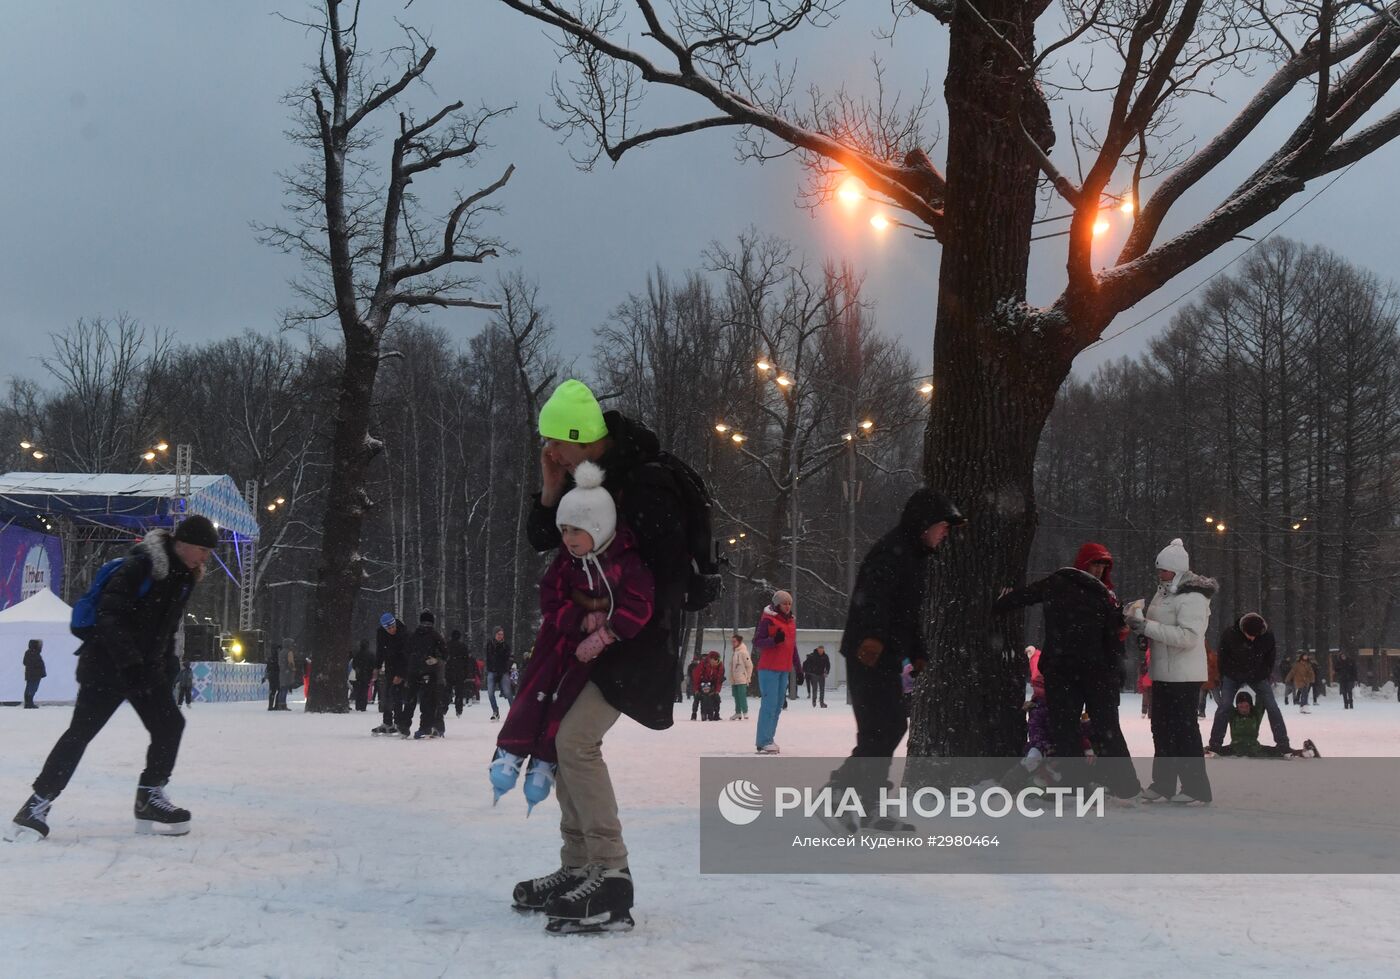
<point>596,591</point>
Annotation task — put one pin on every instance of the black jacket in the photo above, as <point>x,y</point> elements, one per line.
<point>425,644</point>
<point>34,663</point>
<point>134,645</point>
<point>816,664</point>
<point>891,585</point>
<point>459,661</point>
<point>498,657</point>
<point>1083,620</point>
<point>363,662</point>
<point>638,675</point>
<point>1245,660</point>
<point>391,652</point>
<point>1346,669</point>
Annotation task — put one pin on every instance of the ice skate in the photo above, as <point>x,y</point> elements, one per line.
<point>535,895</point>
<point>31,822</point>
<point>600,903</point>
<point>769,749</point>
<point>539,779</point>
<point>505,771</point>
<point>1182,799</point>
<point>157,815</point>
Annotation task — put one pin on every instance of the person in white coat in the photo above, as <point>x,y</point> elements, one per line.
<point>1175,622</point>
<point>740,673</point>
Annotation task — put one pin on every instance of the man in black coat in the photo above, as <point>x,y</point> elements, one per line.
<point>884,628</point>
<point>427,671</point>
<point>132,658</point>
<point>363,664</point>
<point>498,671</point>
<point>34,671</point>
<point>816,668</point>
<point>391,662</point>
<point>461,672</point>
<point>1082,663</point>
<point>1345,668</point>
<point>1247,651</point>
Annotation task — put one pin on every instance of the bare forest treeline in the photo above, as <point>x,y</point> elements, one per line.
<point>458,455</point>
<point>1271,404</point>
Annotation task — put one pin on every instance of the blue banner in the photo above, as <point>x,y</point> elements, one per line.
<point>29,563</point>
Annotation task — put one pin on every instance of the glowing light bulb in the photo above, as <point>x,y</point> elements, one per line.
<point>850,193</point>
<point>879,222</point>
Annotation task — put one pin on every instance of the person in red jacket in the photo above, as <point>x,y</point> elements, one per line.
<point>711,681</point>
<point>775,641</point>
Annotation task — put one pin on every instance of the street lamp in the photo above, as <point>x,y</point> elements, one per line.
<point>926,388</point>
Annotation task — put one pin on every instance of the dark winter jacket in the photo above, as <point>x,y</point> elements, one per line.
<point>427,654</point>
<point>391,652</point>
<point>891,584</point>
<point>1246,660</point>
<point>34,662</point>
<point>554,676</point>
<point>460,665</point>
<point>1083,619</point>
<point>498,657</point>
<point>363,663</point>
<point>134,645</point>
<point>1345,668</point>
<point>185,678</point>
<point>272,669</point>
<point>816,664</point>
<point>642,685</point>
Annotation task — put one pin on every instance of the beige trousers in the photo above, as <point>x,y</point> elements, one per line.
<point>587,804</point>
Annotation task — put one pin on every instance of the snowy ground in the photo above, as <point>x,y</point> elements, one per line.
<point>320,851</point>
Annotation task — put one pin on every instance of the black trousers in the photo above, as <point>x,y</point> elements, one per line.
<point>361,688</point>
<point>1178,756</point>
<point>817,685</point>
<point>877,701</point>
<point>184,696</point>
<point>1074,688</point>
<point>93,709</point>
<point>1347,701</point>
<point>460,693</point>
<point>390,695</point>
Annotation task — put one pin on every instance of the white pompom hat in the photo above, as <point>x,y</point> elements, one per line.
<point>588,506</point>
<point>1174,558</point>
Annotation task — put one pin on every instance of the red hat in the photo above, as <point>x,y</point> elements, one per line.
<point>1092,553</point>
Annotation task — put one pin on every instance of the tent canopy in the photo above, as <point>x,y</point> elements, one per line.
<point>41,607</point>
<point>127,501</point>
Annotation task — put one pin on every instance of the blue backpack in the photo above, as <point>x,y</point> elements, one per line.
<point>83,622</point>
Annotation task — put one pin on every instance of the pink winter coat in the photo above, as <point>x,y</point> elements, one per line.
<point>554,677</point>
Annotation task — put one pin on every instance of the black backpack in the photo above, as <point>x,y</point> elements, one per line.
<point>704,584</point>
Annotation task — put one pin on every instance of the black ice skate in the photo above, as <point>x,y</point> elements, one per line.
<point>535,895</point>
<point>601,902</point>
<point>157,815</point>
<point>1310,749</point>
<point>31,822</point>
<point>383,729</point>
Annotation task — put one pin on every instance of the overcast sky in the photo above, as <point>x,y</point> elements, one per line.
<point>140,140</point>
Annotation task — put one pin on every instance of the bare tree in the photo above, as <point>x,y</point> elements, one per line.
<point>373,256</point>
<point>999,362</point>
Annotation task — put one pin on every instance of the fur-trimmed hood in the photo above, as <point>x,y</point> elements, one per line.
<point>1192,582</point>
<point>157,545</point>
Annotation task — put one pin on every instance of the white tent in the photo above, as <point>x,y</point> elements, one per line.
<point>41,616</point>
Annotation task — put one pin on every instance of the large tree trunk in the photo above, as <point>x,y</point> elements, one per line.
<point>980,445</point>
<point>347,500</point>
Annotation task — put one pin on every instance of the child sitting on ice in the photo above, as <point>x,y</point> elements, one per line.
<point>595,592</point>
<point>1244,735</point>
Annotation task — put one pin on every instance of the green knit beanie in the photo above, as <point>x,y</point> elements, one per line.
<point>572,415</point>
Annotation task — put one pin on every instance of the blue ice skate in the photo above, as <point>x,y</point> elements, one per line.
<point>505,770</point>
<point>539,779</point>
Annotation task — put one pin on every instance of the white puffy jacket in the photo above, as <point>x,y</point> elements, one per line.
<point>740,665</point>
<point>1175,623</point>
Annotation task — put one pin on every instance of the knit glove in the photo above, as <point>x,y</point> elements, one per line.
<point>779,636</point>
<point>594,644</point>
<point>593,621</point>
